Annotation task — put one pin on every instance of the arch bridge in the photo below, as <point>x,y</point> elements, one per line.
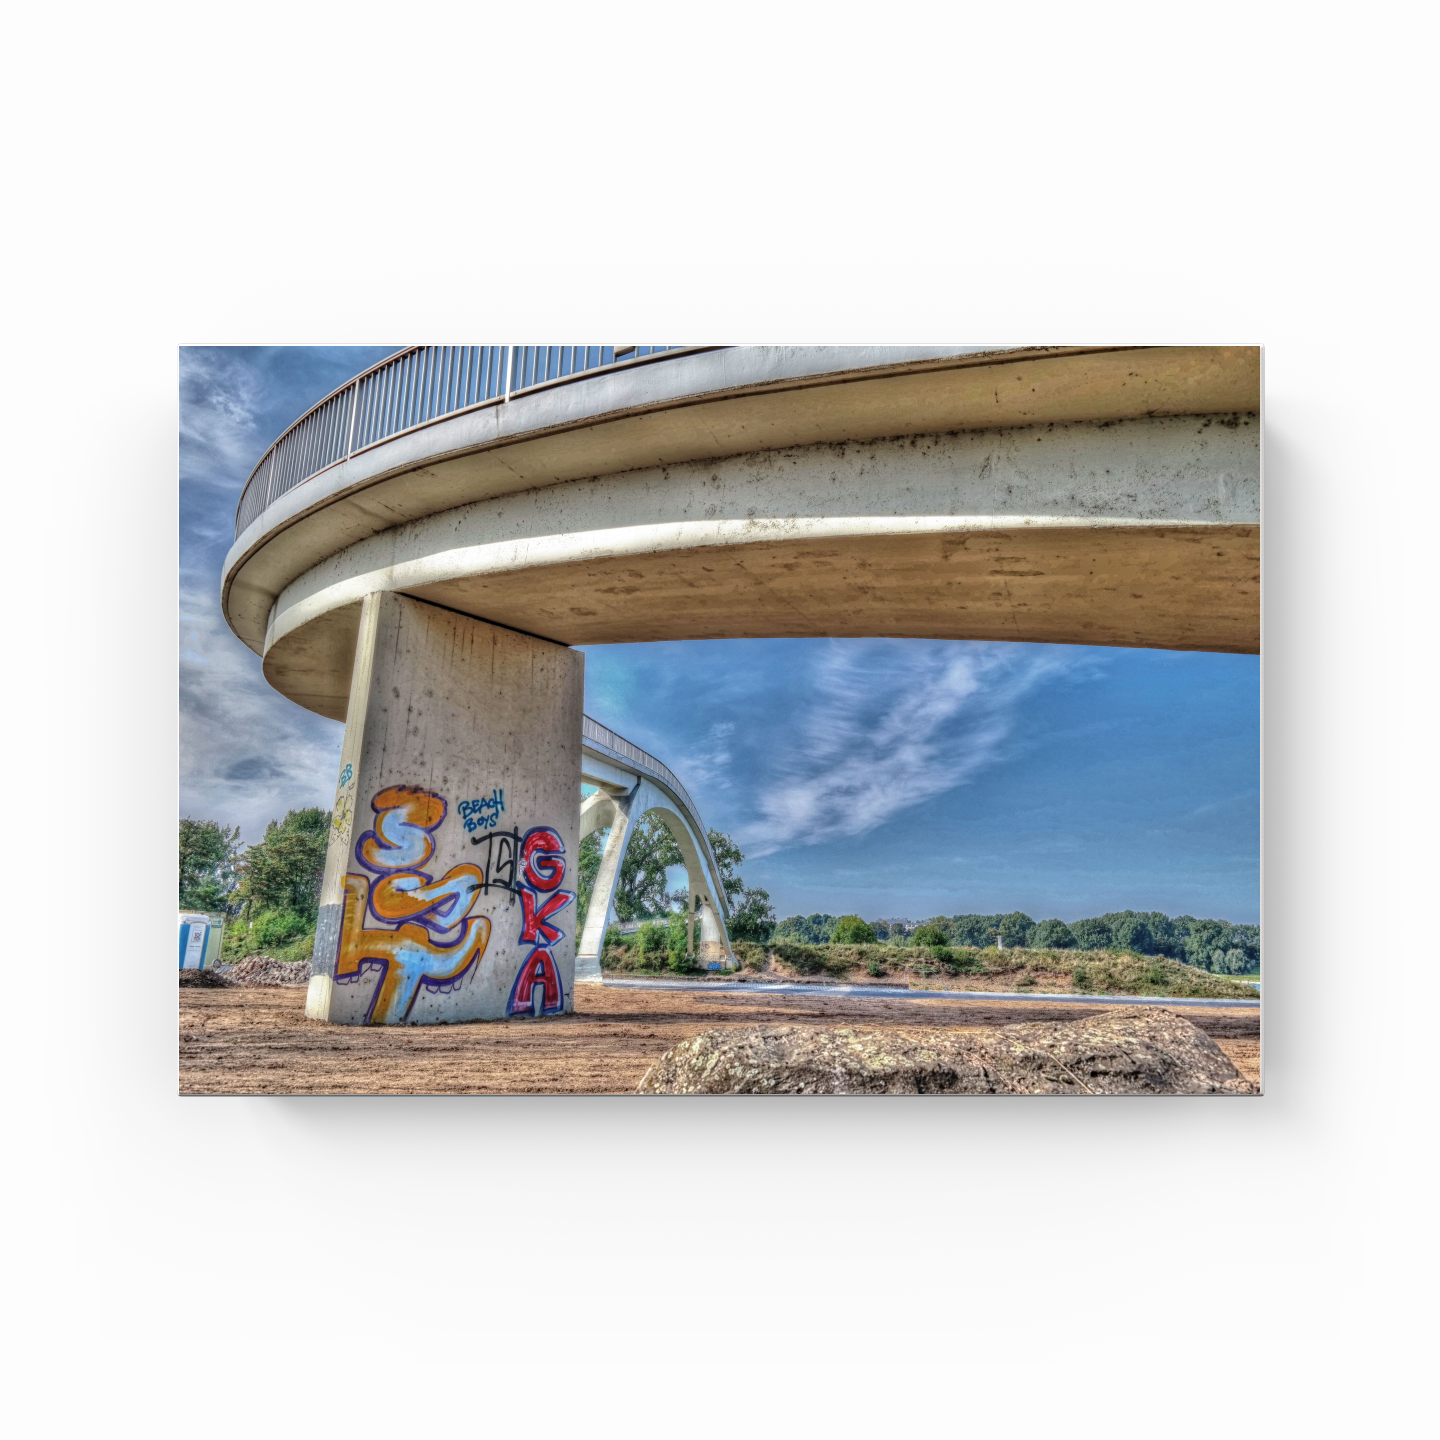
<point>630,785</point>
<point>417,554</point>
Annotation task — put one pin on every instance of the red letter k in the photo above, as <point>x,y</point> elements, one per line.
<point>535,927</point>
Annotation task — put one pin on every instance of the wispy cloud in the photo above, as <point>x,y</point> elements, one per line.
<point>220,398</point>
<point>890,725</point>
<point>708,762</point>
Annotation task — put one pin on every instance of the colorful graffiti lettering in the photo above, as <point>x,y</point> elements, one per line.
<point>403,837</point>
<point>411,959</point>
<point>542,868</point>
<point>482,814</point>
<point>436,943</point>
<point>408,959</point>
<point>346,775</point>
<point>538,969</point>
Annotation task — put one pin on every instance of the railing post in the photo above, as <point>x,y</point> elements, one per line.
<point>508,348</point>
<point>354,406</point>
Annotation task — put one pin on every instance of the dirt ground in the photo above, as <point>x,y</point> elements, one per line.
<point>258,1042</point>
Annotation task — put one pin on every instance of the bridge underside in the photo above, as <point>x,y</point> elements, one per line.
<point>1164,587</point>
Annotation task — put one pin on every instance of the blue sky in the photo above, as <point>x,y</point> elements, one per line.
<point>892,778</point>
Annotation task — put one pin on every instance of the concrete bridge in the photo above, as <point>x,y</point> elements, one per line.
<point>630,785</point>
<point>417,553</point>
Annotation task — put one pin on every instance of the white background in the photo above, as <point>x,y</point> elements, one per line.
<point>1227,173</point>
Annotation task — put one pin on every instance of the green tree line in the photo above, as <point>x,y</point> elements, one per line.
<point>272,887</point>
<point>1215,945</point>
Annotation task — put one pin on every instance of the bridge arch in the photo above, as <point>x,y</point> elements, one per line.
<point>618,808</point>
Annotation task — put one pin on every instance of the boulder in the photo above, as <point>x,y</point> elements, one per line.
<point>1133,1050</point>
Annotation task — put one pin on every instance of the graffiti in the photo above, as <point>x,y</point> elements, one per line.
<point>483,814</point>
<point>436,944</point>
<point>498,859</point>
<point>538,970</point>
<point>403,837</point>
<point>542,868</point>
<point>417,956</point>
<point>344,814</point>
<point>344,810</point>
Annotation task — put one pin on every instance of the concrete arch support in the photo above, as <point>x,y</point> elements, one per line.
<point>621,813</point>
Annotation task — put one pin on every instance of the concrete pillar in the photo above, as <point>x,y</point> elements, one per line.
<point>690,922</point>
<point>450,879</point>
<point>602,897</point>
<point>714,947</point>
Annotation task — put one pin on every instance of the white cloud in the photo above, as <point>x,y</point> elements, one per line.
<point>247,754</point>
<point>219,399</point>
<point>891,724</point>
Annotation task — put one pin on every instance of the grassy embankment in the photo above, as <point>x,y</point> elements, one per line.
<point>242,940</point>
<point>1050,972</point>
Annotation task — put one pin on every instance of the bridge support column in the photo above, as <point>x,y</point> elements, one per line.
<point>714,947</point>
<point>602,897</point>
<point>450,877</point>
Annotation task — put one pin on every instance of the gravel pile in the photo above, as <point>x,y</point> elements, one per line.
<point>1144,1051</point>
<point>263,970</point>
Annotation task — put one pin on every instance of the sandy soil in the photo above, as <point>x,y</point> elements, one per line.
<point>258,1042</point>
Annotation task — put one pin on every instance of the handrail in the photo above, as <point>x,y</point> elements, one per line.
<point>594,733</point>
<point>415,387</point>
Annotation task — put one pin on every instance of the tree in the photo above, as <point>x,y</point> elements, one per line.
<point>284,871</point>
<point>208,856</point>
<point>1015,928</point>
<point>640,890</point>
<point>931,934</point>
<point>729,859</point>
<point>973,930</point>
<point>1052,935</point>
<point>814,929</point>
<point>587,868</point>
<point>1092,934</point>
<point>1132,932</point>
<point>852,930</point>
<point>753,918</point>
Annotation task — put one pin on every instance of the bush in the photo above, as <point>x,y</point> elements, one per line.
<point>815,959</point>
<point>648,939</point>
<point>675,943</point>
<point>929,934</point>
<point>281,934</point>
<point>749,954</point>
<point>275,927</point>
<point>873,966</point>
<point>852,930</point>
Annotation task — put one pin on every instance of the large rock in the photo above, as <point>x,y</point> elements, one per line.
<point>1138,1050</point>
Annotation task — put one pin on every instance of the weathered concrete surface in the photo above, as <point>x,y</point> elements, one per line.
<point>1142,1051</point>
<point>728,402</point>
<point>450,877</point>
<point>1139,533</point>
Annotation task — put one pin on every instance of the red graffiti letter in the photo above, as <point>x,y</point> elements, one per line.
<point>535,926</point>
<point>543,856</point>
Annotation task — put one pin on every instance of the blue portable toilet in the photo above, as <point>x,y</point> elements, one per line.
<point>194,933</point>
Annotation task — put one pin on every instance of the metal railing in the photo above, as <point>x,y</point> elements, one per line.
<point>416,387</point>
<point>603,738</point>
